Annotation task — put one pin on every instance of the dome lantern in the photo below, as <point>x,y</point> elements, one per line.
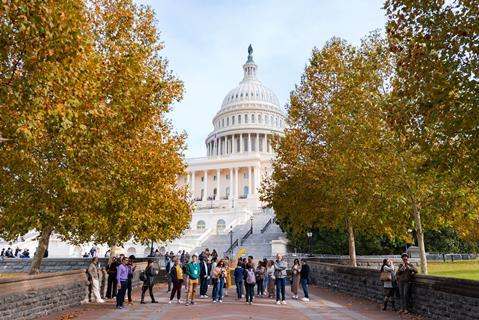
<point>249,67</point>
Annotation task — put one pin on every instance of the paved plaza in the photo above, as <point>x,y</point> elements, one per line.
<point>325,304</point>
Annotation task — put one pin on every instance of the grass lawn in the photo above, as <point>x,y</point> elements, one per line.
<point>461,269</point>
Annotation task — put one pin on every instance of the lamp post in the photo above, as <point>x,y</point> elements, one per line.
<point>310,235</point>
<point>231,238</point>
<point>252,218</point>
<point>151,250</point>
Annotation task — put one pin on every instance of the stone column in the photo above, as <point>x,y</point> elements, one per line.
<point>257,142</point>
<point>233,144</point>
<point>266,142</point>
<point>257,178</point>
<point>250,181</point>
<point>218,184</point>
<point>241,143</point>
<point>193,184</point>
<point>231,195</point>
<point>236,183</point>
<point>205,178</point>
<point>249,142</point>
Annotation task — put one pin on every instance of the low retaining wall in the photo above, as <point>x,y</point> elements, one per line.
<point>434,297</point>
<point>8,265</point>
<point>29,297</point>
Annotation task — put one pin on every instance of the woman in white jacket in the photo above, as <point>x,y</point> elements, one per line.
<point>388,276</point>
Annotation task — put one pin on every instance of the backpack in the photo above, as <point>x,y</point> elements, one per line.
<point>250,277</point>
<point>143,276</point>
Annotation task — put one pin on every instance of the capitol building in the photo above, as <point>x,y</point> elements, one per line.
<point>224,184</point>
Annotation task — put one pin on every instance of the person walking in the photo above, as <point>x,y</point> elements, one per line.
<point>111,269</point>
<point>193,271</point>
<point>271,278</point>
<point>229,269</point>
<point>168,264</point>
<point>280,275</point>
<point>186,279</point>
<point>250,281</point>
<point>295,273</point>
<point>122,282</point>
<point>239,275</point>
<point>304,276</point>
<point>388,276</point>
<point>260,274</point>
<point>177,279</point>
<point>405,274</point>
<point>95,280</point>
<point>149,281</point>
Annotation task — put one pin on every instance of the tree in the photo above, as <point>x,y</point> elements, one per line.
<point>84,92</point>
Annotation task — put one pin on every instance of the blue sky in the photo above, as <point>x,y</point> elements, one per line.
<point>206,45</point>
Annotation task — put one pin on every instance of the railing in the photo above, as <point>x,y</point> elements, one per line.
<point>233,245</point>
<point>250,232</point>
<point>270,221</point>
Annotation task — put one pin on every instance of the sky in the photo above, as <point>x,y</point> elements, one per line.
<point>206,45</point>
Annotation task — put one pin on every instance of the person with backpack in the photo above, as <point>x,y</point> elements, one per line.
<point>239,275</point>
<point>250,281</point>
<point>193,272</point>
<point>176,273</point>
<point>304,276</point>
<point>148,278</point>
<point>218,277</point>
<point>280,276</point>
<point>260,274</point>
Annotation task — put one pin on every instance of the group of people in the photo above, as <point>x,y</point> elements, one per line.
<point>397,283</point>
<point>209,270</point>
<point>18,253</point>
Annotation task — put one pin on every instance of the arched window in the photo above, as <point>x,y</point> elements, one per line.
<point>227,192</point>
<point>259,118</point>
<point>131,251</point>
<point>239,118</point>
<point>252,118</point>
<point>245,118</point>
<point>200,225</point>
<point>228,121</point>
<point>245,190</point>
<point>220,226</point>
<point>233,120</point>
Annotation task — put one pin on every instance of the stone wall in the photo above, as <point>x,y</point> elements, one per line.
<point>28,297</point>
<point>8,265</point>
<point>434,297</point>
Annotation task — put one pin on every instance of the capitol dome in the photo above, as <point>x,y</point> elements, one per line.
<point>249,114</point>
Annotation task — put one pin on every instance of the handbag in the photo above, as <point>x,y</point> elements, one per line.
<point>385,276</point>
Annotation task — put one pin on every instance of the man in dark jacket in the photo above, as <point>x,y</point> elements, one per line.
<point>405,274</point>
<point>149,275</point>
<point>111,271</point>
<point>304,276</point>
<point>204,275</point>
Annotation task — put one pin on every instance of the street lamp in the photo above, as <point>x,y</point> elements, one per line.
<point>310,235</point>
<point>252,218</point>
<point>231,238</point>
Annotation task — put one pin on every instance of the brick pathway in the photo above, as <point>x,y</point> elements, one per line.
<point>325,304</point>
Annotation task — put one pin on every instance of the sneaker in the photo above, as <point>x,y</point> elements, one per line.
<point>214,301</point>
<point>101,301</point>
<point>305,299</point>
<point>283,302</point>
<point>187,304</point>
<point>277,302</point>
<point>142,302</point>
<point>221,301</point>
<point>179,301</point>
<point>192,302</point>
<point>202,297</point>
<point>119,307</point>
<point>169,302</point>
<point>154,301</point>
<point>130,303</point>
<point>207,296</point>
<point>250,303</point>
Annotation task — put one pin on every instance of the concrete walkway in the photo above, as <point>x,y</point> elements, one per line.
<point>325,304</point>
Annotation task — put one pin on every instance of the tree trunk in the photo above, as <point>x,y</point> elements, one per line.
<point>42,247</point>
<point>420,237</point>
<point>352,245</point>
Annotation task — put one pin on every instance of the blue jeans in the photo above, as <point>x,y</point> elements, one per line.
<point>218,289</point>
<point>265,282</point>
<point>281,286</point>
<point>203,286</point>
<point>120,296</point>
<point>239,288</point>
<point>304,284</point>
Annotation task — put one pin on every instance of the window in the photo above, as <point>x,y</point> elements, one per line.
<point>245,175</point>
<point>228,121</point>
<point>271,120</point>
<point>200,225</point>
<point>222,122</point>
<point>233,120</point>
<point>227,192</point>
<point>214,178</point>
<point>259,118</point>
<point>245,190</point>
<point>202,179</point>
<point>245,118</point>
<point>252,118</point>
<point>220,226</point>
<point>239,118</point>
<point>227,177</point>
<point>277,121</point>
